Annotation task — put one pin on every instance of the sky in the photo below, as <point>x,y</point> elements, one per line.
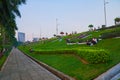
<point>39,16</point>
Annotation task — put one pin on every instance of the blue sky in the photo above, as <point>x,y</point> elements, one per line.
<point>39,16</point>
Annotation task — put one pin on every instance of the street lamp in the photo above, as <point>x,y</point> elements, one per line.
<point>105,12</point>
<point>56,26</point>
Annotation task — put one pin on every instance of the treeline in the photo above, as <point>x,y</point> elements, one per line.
<point>8,12</point>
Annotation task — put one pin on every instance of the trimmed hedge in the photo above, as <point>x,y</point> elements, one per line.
<point>110,35</point>
<point>55,52</point>
<point>91,55</point>
<point>94,56</point>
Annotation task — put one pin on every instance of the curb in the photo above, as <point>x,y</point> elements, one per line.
<point>116,77</point>
<point>52,70</point>
<point>108,75</point>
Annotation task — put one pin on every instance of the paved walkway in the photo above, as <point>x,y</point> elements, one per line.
<point>20,67</point>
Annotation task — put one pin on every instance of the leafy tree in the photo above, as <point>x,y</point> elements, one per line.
<point>117,20</point>
<point>8,11</point>
<point>91,27</point>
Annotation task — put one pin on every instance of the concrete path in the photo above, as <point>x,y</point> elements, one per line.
<point>20,67</point>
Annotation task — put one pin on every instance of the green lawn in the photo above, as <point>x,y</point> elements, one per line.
<point>113,46</point>
<point>4,57</point>
<point>71,65</point>
<point>2,60</point>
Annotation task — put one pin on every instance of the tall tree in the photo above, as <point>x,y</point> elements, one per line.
<point>8,11</point>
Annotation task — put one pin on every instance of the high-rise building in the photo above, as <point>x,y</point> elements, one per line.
<point>21,37</point>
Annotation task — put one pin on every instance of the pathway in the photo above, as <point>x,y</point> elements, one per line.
<point>20,67</point>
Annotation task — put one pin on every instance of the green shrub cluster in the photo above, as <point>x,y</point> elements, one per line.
<point>56,52</point>
<point>111,34</point>
<point>94,56</point>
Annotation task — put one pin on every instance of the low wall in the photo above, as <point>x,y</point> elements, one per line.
<point>108,75</point>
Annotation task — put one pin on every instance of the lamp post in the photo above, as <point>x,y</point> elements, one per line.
<point>56,26</point>
<point>105,12</point>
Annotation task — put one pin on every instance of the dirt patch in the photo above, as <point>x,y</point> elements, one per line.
<point>81,59</point>
<point>84,61</point>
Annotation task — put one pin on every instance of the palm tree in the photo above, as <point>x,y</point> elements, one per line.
<point>117,20</point>
<point>91,27</point>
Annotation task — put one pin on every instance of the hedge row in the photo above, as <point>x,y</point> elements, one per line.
<point>110,35</point>
<point>90,55</point>
<point>56,52</point>
<point>94,56</point>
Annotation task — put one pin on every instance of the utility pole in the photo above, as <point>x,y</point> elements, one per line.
<point>40,33</point>
<point>105,12</point>
<point>32,36</point>
<point>56,26</point>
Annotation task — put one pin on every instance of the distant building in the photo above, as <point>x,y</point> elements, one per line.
<point>35,39</point>
<point>21,37</point>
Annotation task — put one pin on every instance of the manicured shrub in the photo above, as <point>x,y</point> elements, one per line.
<point>94,56</point>
<point>90,55</point>
<point>81,40</point>
<point>110,35</point>
<point>56,52</point>
<point>73,40</point>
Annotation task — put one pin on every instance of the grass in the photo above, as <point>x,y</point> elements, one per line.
<point>93,34</point>
<point>4,57</point>
<point>71,64</point>
<point>113,46</point>
<point>2,60</point>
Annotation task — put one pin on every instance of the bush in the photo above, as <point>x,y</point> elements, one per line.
<point>90,55</point>
<point>81,40</point>
<point>73,40</point>
<point>55,52</point>
<point>111,34</point>
<point>94,56</point>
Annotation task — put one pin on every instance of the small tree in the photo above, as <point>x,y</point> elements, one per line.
<point>117,20</point>
<point>91,27</point>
